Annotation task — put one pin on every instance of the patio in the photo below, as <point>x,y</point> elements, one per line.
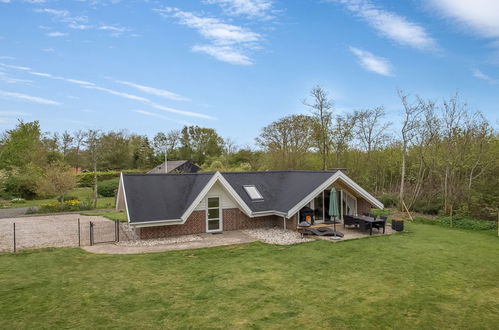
<point>351,232</point>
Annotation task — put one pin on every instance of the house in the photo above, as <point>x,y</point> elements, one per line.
<point>176,166</point>
<point>161,205</point>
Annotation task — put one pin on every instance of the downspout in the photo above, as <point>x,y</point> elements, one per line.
<point>284,221</point>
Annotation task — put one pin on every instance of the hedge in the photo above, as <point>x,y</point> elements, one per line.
<point>107,188</point>
<point>87,179</point>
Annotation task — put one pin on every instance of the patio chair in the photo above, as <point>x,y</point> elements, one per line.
<point>378,226</point>
<point>348,220</point>
<point>364,225</point>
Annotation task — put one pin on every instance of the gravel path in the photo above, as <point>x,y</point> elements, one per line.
<point>276,236</point>
<point>52,231</point>
<point>15,212</point>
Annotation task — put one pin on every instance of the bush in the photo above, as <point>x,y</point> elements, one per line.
<point>389,200</point>
<point>87,179</point>
<point>427,207</point>
<point>67,198</point>
<point>67,206</point>
<point>459,222</point>
<point>107,188</point>
<point>468,223</point>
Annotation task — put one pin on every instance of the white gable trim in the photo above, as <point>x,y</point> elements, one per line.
<point>122,185</point>
<point>349,182</point>
<point>217,177</point>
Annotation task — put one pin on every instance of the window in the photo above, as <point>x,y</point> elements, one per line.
<point>253,193</point>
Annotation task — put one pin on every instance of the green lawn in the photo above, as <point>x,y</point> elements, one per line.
<point>112,215</point>
<point>428,278</point>
<point>82,194</point>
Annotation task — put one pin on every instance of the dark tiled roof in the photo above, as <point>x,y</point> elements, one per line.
<point>281,190</point>
<point>153,197</point>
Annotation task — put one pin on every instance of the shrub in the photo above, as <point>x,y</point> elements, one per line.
<point>67,198</point>
<point>67,206</point>
<point>459,222</point>
<point>107,188</point>
<point>427,207</point>
<point>389,200</point>
<point>467,223</point>
<point>87,179</point>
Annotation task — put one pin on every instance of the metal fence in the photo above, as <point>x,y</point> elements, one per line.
<point>33,233</point>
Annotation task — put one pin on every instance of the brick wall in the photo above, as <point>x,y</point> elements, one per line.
<point>195,224</point>
<point>363,206</point>
<point>233,219</point>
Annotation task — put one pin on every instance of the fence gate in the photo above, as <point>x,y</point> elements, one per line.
<point>104,232</point>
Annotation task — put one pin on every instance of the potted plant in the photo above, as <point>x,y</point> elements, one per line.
<point>398,224</point>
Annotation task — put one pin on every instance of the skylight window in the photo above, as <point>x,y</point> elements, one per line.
<point>253,193</point>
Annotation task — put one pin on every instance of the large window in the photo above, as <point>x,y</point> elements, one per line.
<point>213,214</point>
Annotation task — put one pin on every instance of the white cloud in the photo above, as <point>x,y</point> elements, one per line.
<point>154,91</point>
<point>11,80</point>
<point>229,42</point>
<point>13,113</point>
<point>372,63</point>
<point>24,68</point>
<point>91,85</point>
<point>224,53</point>
<point>480,16</point>
<point>391,25</point>
<point>112,28</point>
<point>28,98</point>
<point>157,115</point>
<point>56,34</point>
<point>480,75</point>
<point>251,8</point>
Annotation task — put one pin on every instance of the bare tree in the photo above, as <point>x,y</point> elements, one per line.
<point>371,130</point>
<point>342,134</point>
<point>66,143</point>
<point>321,108</point>
<point>79,140</point>
<point>92,143</point>
<point>410,124</point>
<point>230,146</point>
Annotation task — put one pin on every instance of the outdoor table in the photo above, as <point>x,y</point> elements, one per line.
<point>370,221</point>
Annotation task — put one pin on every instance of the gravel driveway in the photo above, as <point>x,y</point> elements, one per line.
<point>52,231</point>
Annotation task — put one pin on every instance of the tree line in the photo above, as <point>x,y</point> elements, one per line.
<point>440,157</point>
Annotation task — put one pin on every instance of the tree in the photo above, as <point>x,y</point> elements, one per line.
<point>58,180</point>
<point>342,134</point>
<point>93,147</point>
<point>79,138</point>
<point>287,140</point>
<point>66,143</point>
<point>371,130</point>
<point>199,143</point>
<point>22,145</point>
<point>166,143</point>
<point>410,124</point>
<point>321,109</point>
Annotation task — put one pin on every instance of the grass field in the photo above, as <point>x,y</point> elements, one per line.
<point>82,194</point>
<point>428,278</point>
<point>111,215</point>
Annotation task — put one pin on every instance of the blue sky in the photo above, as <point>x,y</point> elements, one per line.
<point>237,65</point>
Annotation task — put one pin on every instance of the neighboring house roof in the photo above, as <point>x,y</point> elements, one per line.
<point>176,165</point>
<point>171,198</point>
